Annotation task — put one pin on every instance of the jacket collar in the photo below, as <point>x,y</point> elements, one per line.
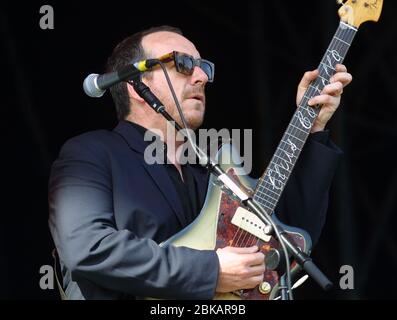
<point>157,172</point>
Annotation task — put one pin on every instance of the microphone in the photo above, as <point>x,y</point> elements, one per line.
<point>95,85</point>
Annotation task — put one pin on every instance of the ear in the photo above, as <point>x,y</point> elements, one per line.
<point>132,93</point>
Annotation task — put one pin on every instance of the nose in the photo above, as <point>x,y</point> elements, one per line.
<point>198,76</point>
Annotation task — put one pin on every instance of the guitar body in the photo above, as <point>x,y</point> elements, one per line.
<point>213,228</point>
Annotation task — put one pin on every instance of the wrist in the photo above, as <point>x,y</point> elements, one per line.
<point>317,128</point>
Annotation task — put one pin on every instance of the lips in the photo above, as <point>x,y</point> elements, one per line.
<point>197,97</point>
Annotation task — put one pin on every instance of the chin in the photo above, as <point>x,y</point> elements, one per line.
<point>194,119</point>
<point>194,115</point>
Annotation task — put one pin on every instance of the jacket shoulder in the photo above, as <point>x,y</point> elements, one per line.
<point>92,142</point>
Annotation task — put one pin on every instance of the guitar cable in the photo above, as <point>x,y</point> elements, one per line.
<point>200,154</point>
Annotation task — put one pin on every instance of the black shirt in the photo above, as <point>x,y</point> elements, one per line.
<point>187,188</point>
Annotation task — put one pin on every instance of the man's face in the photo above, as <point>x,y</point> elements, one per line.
<point>188,88</point>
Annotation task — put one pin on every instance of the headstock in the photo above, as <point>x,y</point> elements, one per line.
<point>356,12</point>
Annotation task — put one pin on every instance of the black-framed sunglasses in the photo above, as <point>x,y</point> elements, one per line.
<point>185,64</point>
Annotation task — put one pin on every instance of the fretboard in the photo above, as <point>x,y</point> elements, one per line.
<point>273,181</point>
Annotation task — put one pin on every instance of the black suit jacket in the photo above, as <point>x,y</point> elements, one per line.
<point>109,210</point>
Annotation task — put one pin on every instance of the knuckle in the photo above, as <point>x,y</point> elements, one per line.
<point>245,272</point>
<point>260,258</point>
<point>258,279</point>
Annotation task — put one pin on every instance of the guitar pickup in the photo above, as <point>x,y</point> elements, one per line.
<point>249,222</point>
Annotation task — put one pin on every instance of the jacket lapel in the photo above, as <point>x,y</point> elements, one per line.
<point>157,172</point>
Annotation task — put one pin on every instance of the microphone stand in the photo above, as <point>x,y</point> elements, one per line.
<point>302,259</point>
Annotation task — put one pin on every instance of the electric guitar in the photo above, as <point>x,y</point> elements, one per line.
<point>222,221</point>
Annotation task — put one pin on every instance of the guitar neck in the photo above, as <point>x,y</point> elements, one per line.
<point>273,181</point>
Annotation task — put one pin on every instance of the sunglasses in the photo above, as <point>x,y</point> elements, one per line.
<point>185,64</point>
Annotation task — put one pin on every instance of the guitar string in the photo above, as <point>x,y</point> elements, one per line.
<point>235,234</point>
<point>339,34</point>
<point>339,47</point>
<point>342,53</point>
<point>345,34</point>
<point>245,233</point>
<point>239,233</point>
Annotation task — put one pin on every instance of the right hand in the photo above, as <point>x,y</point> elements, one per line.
<point>240,268</point>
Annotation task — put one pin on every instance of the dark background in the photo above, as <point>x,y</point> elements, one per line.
<point>261,50</point>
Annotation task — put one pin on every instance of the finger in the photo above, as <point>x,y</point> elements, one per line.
<point>340,68</point>
<point>257,280</point>
<point>323,99</point>
<point>307,78</point>
<point>343,77</point>
<point>334,89</point>
<point>257,270</point>
<point>256,259</point>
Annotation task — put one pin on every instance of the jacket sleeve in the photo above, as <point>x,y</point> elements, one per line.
<point>83,227</point>
<point>304,202</point>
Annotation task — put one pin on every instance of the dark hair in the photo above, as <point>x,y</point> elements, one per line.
<point>127,51</point>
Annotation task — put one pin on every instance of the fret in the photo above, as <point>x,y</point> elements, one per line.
<point>268,183</point>
<point>338,50</point>
<point>327,66</point>
<point>316,88</point>
<point>289,149</point>
<point>298,143</point>
<point>297,128</point>
<point>282,141</point>
<point>291,135</point>
<point>284,160</point>
<point>267,189</point>
<point>300,136</point>
<point>332,53</point>
<point>260,200</point>
<point>310,111</point>
<point>289,162</point>
<point>304,109</point>
<point>304,121</point>
<point>346,43</point>
<point>281,173</point>
<point>348,26</point>
<point>268,196</point>
<point>274,186</point>
<point>329,62</point>
<point>321,77</point>
<point>280,151</point>
<point>273,181</point>
<point>271,188</point>
<point>268,203</point>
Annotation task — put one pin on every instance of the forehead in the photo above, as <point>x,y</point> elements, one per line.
<point>159,43</point>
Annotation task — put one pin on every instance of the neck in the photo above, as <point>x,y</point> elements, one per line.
<point>166,132</point>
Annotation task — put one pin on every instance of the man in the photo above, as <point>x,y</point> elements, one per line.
<point>109,209</point>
